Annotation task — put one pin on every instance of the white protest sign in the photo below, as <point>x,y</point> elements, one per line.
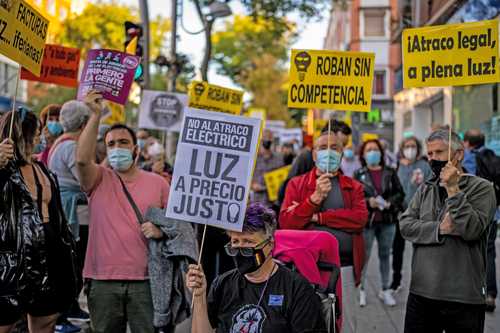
<point>162,110</point>
<point>290,134</point>
<point>213,169</point>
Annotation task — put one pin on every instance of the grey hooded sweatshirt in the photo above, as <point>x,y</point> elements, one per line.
<point>450,268</point>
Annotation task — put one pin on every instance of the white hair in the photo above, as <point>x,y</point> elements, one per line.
<point>444,135</point>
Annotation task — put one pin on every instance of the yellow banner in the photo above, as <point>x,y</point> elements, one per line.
<point>451,55</point>
<point>23,32</point>
<point>369,136</point>
<point>319,124</point>
<point>113,114</point>
<point>273,181</point>
<point>331,80</point>
<point>203,95</point>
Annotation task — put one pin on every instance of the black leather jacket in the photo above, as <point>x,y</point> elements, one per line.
<point>392,191</point>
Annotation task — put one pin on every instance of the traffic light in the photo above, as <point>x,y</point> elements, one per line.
<point>133,45</point>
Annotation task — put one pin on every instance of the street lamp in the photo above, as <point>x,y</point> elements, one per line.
<point>216,10</point>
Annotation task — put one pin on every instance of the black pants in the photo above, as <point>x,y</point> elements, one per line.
<point>398,248</point>
<point>424,315</point>
<point>491,273</point>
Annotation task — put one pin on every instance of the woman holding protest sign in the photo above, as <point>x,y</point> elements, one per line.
<point>38,273</point>
<point>259,295</point>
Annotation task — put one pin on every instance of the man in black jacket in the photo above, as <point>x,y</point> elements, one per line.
<point>483,162</point>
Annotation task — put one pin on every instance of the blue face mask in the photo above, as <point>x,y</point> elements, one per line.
<point>328,160</point>
<point>348,153</point>
<point>141,143</point>
<point>120,159</point>
<point>55,128</point>
<point>372,157</point>
<point>40,147</point>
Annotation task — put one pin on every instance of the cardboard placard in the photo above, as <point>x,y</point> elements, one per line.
<point>331,80</point>
<point>273,181</point>
<point>110,72</point>
<point>213,169</point>
<point>59,66</point>
<point>451,55</point>
<point>162,110</point>
<point>203,95</point>
<point>23,31</point>
<point>288,135</point>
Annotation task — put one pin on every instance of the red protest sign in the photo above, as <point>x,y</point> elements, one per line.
<point>59,66</point>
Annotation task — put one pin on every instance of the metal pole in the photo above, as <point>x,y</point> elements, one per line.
<point>173,48</point>
<point>172,77</point>
<point>208,50</point>
<point>143,7</point>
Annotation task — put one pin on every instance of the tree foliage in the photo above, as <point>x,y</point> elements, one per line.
<point>101,24</point>
<point>249,52</point>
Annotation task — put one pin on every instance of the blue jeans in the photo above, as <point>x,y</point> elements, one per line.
<point>384,232</point>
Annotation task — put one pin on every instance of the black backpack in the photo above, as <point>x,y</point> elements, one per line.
<point>488,167</point>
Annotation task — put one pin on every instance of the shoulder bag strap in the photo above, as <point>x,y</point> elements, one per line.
<point>138,213</point>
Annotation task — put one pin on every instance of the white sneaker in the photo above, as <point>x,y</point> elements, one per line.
<point>362,298</point>
<point>386,297</point>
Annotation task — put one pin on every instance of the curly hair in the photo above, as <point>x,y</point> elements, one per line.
<point>259,218</point>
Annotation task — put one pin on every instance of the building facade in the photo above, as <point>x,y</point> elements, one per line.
<point>366,25</point>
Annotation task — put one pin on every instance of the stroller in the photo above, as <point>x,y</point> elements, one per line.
<point>315,255</point>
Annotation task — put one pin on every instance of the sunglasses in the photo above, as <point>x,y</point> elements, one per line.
<point>245,251</point>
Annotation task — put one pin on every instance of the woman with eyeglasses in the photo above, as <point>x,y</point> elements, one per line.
<point>259,295</point>
<point>39,200</point>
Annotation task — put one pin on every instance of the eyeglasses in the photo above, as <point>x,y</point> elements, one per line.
<point>245,251</point>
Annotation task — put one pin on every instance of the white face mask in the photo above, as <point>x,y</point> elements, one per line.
<point>410,153</point>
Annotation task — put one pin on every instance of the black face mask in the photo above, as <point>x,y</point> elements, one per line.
<point>266,144</point>
<point>437,166</point>
<point>247,265</point>
<point>288,158</point>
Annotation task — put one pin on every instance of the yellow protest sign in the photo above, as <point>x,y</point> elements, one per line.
<point>452,54</point>
<point>113,114</point>
<point>331,80</point>
<point>203,95</point>
<point>23,32</point>
<point>273,181</point>
<point>369,136</point>
<point>319,124</point>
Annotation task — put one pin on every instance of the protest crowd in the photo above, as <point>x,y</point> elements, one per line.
<point>243,230</point>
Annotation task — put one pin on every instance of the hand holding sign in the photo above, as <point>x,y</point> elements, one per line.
<point>94,101</point>
<point>6,152</point>
<point>196,281</point>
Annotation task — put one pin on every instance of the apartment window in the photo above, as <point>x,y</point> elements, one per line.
<point>374,22</point>
<point>379,84</point>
